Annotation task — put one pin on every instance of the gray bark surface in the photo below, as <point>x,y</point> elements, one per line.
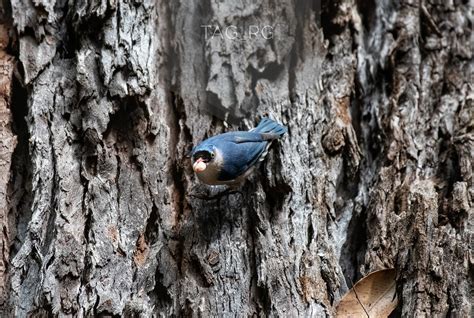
<point>101,213</point>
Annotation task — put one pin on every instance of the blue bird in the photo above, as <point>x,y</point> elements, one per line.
<point>230,157</point>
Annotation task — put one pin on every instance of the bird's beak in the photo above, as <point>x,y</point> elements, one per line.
<point>199,165</point>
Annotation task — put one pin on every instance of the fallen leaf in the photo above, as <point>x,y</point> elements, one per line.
<point>373,296</point>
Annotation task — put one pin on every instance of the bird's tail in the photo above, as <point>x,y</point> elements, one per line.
<point>269,126</point>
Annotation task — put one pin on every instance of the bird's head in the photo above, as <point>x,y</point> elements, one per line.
<point>202,156</point>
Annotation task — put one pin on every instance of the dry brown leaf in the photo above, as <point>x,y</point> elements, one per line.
<point>376,292</point>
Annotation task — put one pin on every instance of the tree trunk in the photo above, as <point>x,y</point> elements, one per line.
<point>101,213</point>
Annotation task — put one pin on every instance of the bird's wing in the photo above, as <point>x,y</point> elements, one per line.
<point>247,136</point>
<point>240,150</point>
<point>257,137</point>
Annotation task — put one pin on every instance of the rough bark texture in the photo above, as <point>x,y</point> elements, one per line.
<point>8,142</point>
<point>101,213</point>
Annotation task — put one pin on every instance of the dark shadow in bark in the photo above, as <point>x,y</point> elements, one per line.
<point>20,185</point>
<point>160,291</point>
<point>261,294</point>
<point>366,9</point>
<point>354,248</point>
<point>449,172</point>
<point>69,42</point>
<point>214,207</point>
<point>276,192</point>
<point>152,226</point>
<point>329,12</point>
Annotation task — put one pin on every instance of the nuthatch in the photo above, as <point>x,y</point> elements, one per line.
<point>230,157</point>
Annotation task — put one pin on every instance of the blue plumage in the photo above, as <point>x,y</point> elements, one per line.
<point>228,157</point>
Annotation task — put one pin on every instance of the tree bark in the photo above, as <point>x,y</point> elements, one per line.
<point>101,213</point>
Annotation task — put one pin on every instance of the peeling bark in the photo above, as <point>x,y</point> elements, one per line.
<point>102,212</point>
